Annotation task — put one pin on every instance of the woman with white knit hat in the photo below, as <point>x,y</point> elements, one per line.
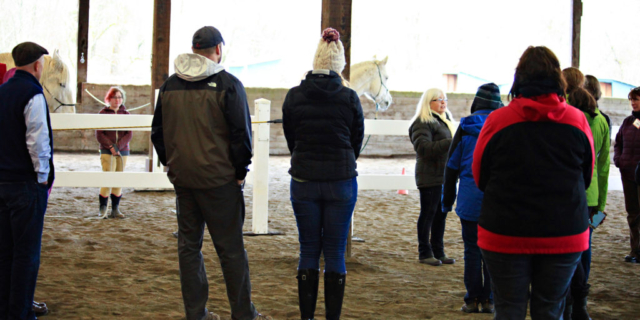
<point>324,127</point>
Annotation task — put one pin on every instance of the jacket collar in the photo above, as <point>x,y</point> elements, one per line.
<point>20,74</point>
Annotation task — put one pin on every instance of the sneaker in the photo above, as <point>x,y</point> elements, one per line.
<point>211,316</point>
<point>471,307</point>
<point>447,260</point>
<point>431,261</point>
<point>487,307</point>
<point>631,259</point>
<point>262,317</point>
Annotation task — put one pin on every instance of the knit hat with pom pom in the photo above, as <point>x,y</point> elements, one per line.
<point>330,52</point>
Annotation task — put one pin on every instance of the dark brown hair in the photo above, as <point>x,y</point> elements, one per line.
<point>583,100</point>
<point>574,78</point>
<point>538,66</point>
<point>593,86</point>
<point>634,93</point>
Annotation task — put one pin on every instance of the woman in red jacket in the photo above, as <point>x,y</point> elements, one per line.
<point>114,150</point>
<point>533,161</point>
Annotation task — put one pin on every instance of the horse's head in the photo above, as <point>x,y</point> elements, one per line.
<point>370,79</point>
<point>57,89</point>
<point>382,95</point>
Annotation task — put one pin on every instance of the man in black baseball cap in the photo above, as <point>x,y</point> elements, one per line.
<point>27,53</point>
<point>206,37</point>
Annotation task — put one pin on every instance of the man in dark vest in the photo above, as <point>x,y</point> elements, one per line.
<point>26,175</point>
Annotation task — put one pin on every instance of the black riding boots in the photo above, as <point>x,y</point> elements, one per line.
<point>307,292</point>
<point>103,205</point>
<point>334,284</point>
<point>115,204</point>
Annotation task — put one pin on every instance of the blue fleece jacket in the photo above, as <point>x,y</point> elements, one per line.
<point>459,167</point>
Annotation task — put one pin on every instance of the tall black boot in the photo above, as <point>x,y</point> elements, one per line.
<point>307,292</point>
<point>103,205</point>
<point>115,205</point>
<point>334,284</point>
<point>580,305</point>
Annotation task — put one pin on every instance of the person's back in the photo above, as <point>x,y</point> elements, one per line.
<point>204,109</point>
<point>320,115</point>
<point>202,132</point>
<point>534,160</point>
<point>539,161</point>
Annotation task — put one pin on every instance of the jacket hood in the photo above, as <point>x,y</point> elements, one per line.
<point>546,107</point>
<point>321,84</point>
<point>194,67</point>
<point>473,123</point>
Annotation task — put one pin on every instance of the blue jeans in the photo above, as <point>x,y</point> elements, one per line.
<point>431,223</point>
<point>476,275</point>
<point>323,213</point>
<point>549,276</point>
<point>22,209</point>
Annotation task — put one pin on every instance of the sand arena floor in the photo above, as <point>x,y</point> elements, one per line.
<point>128,269</point>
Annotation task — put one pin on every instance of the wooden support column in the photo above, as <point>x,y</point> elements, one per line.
<point>159,54</point>
<point>575,33</point>
<point>83,45</point>
<point>337,14</point>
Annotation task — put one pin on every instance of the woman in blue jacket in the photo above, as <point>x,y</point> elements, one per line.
<point>476,276</point>
<point>324,127</point>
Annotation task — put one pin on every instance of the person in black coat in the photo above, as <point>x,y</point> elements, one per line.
<point>324,127</point>
<point>431,134</point>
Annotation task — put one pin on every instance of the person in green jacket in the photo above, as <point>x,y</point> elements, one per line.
<point>580,98</point>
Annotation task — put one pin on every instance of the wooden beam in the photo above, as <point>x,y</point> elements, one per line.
<point>159,54</point>
<point>83,45</point>
<point>337,14</point>
<point>575,33</point>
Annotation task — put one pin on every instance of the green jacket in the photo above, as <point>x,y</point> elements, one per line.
<point>597,191</point>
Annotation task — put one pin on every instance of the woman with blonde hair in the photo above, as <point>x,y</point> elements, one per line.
<point>431,133</point>
<point>114,150</point>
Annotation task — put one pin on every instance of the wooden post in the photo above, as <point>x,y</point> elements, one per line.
<point>575,33</point>
<point>159,54</point>
<point>83,45</point>
<point>337,14</point>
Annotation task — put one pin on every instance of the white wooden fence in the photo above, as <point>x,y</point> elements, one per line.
<point>259,174</point>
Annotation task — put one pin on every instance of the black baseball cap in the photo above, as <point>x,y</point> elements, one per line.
<point>26,53</point>
<point>206,37</point>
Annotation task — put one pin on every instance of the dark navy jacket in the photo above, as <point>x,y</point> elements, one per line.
<point>459,167</point>
<point>15,162</point>
<point>324,127</point>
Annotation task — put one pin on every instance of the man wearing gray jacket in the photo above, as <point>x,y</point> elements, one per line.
<point>202,132</point>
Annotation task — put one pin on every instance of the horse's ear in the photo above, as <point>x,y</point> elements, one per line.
<point>384,61</point>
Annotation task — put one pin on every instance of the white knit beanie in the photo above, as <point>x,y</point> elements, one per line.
<point>330,53</point>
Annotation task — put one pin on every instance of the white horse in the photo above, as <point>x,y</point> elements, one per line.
<point>369,78</point>
<point>55,81</point>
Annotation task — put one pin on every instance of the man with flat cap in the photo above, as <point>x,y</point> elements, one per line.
<point>26,175</point>
<point>202,132</point>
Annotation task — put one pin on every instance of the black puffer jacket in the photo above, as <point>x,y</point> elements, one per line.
<point>324,127</point>
<point>431,141</point>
